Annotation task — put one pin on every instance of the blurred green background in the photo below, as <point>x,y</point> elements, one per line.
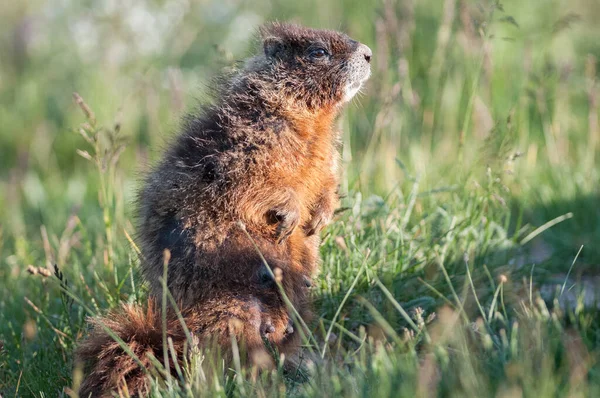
<point>463,94</point>
<point>438,88</point>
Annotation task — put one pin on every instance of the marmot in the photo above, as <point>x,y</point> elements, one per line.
<point>263,157</point>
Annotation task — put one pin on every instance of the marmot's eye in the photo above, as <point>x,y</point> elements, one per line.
<point>318,53</point>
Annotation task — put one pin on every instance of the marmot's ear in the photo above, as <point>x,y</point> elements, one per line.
<point>272,46</point>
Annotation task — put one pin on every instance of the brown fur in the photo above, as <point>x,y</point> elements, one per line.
<point>110,368</point>
<point>265,157</point>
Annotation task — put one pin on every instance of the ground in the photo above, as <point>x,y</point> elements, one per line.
<point>465,260</point>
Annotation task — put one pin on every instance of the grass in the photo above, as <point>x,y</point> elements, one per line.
<point>466,261</point>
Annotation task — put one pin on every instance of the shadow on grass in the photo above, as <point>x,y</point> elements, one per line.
<point>557,246</point>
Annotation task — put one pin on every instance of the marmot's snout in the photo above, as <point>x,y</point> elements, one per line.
<point>366,52</point>
<point>359,68</point>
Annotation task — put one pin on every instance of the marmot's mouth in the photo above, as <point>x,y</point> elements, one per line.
<point>353,88</point>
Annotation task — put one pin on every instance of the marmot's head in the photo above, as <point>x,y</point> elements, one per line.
<point>309,67</point>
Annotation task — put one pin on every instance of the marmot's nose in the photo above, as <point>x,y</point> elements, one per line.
<point>366,52</point>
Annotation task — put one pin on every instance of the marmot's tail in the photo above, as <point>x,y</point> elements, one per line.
<point>108,366</point>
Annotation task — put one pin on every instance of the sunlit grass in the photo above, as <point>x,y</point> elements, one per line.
<point>471,182</point>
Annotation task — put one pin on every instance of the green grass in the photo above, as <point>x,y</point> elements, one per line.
<point>471,182</point>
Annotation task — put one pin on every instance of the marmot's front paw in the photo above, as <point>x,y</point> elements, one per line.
<point>287,220</point>
<point>321,214</point>
<point>282,330</point>
<point>321,218</point>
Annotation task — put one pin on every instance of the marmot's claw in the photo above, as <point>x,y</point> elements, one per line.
<point>307,281</point>
<point>316,224</point>
<point>269,328</point>
<point>288,221</point>
<point>283,234</point>
<point>290,327</point>
<point>313,228</point>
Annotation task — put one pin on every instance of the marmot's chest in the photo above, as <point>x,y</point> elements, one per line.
<point>311,168</point>
<point>307,156</point>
